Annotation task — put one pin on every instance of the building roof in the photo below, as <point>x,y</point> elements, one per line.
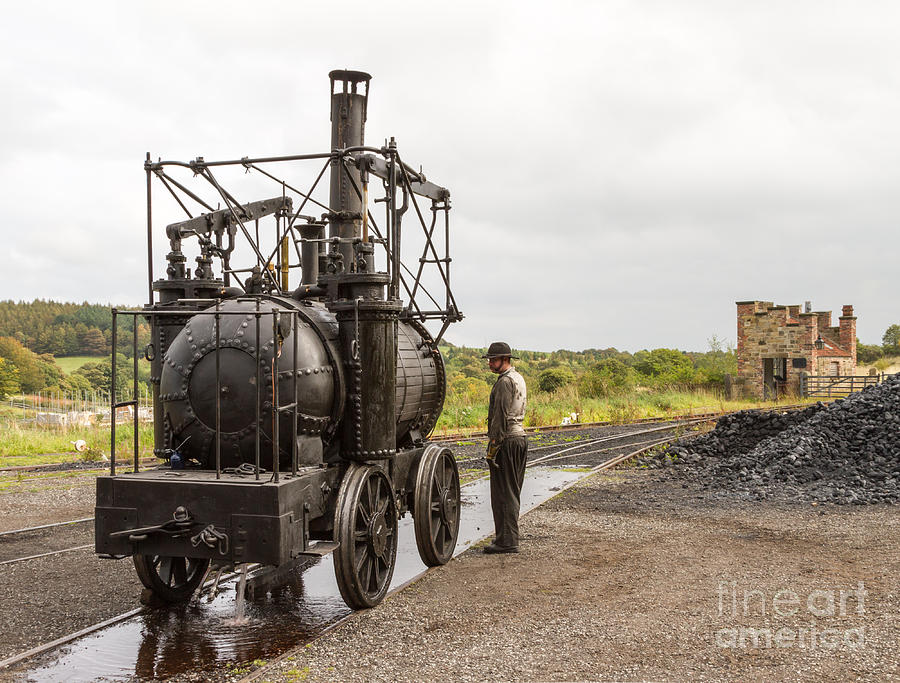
<point>832,350</point>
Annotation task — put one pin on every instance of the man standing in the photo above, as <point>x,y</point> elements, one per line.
<point>507,448</point>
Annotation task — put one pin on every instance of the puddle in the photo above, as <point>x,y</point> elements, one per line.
<point>204,636</point>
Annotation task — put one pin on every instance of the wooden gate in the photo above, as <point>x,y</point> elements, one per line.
<point>836,386</point>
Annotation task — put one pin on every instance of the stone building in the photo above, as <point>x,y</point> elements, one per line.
<point>776,345</point>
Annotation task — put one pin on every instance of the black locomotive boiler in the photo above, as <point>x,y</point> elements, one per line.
<point>290,421</point>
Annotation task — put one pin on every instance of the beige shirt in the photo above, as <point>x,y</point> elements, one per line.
<point>507,407</point>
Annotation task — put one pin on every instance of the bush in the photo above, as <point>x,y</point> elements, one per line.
<point>606,378</point>
<point>665,366</point>
<point>555,378</point>
<point>868,353</point>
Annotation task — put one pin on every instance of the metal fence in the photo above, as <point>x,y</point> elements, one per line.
<point>838,386</point>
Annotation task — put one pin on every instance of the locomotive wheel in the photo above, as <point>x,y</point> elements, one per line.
<point>366,531</point>
<point>436,511</point>
<point>172,579</point>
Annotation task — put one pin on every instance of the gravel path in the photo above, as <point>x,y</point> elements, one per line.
<point>627,577</point>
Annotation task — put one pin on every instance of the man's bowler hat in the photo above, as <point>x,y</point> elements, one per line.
<point>499,350</point>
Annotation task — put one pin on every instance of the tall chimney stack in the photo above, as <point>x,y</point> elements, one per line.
<point>348,129</point>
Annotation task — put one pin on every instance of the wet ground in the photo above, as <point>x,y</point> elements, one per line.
<point>204,636</point>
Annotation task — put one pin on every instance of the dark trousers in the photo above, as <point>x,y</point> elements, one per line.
<point>507,475</point>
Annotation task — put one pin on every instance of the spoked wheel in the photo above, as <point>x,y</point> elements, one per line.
<point>366,531</point>
<point>436,511</point>
<point>172,579</point>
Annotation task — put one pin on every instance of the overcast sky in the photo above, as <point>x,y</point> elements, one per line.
<point>621,172</point>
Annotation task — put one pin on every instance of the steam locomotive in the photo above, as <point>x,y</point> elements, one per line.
<point>290,422</point>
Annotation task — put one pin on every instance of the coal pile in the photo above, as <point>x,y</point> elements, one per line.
<point>847,452</point>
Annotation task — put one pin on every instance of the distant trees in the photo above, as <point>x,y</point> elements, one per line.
<point>93,343</point>
<point>35,372</point>
<point>61,329</point>
<point>868,353</point>
<point>891,340</point>
<point>665,366</point>
<point>890,346</point>
<point>591,373</point>
<point>32,333</point>
<point>9,378</point>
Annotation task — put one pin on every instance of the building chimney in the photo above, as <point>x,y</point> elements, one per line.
<point>847,327</point>
<point>807,306</point>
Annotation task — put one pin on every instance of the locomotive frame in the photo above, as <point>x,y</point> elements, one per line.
<point>229,389</point>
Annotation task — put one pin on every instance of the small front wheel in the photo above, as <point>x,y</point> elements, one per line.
<point>172,579</point>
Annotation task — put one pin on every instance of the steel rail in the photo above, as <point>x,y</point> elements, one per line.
<point>650,442</point>
<point>112,621</point>
<point>602,439</point>
<point>28,654</point>
<point>47,554</point>
<point>49,466</point>
<point>616,437</point>
<point>46,526</point>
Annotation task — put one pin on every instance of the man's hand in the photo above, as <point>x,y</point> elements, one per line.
<point>493,448</point>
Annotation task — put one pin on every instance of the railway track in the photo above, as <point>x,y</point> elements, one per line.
<point>461,436</point>
<point>30,543</point>
<point>610,443</point>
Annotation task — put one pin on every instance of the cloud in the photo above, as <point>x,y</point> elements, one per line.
<point>621,173</point>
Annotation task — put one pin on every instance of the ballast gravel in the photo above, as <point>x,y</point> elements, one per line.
<point>846,452</point>
<point>630,577</point>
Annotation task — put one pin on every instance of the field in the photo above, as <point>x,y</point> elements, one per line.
<point>28,445</point>
<point>70,364</point>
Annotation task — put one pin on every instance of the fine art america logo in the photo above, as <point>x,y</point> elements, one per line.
<point>818,612</point>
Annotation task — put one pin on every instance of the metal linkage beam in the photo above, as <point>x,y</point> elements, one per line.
<point>418,184</point>
<point>223,218</point>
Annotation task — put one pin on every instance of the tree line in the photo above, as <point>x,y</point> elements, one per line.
<point>596,373</point>
<point>600,373</point>
<point>890,346</point>
<point>65,329</point>
<point>33,333</point>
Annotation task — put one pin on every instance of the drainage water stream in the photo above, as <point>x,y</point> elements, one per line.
<point>204,635</point>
